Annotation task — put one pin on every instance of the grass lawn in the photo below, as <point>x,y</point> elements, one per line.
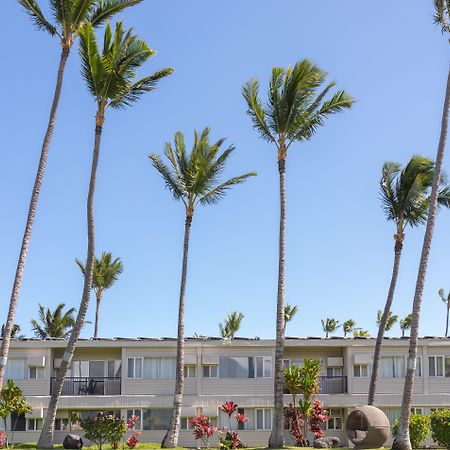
<point>147,446</point>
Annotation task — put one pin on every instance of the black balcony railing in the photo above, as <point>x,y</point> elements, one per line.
<point>89,385</point>
<point>333,385</point>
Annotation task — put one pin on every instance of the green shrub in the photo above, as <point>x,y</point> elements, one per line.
<point>419,429</point>
<point>440,427</point>
<point>104,428</point>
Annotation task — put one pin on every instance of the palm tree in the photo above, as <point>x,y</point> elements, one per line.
<point>330,326</point>
<point>231,325</point>
<point>390,322</point>
<point>348,326</point>
<point>297,106</point>
<point>446,300</point>
<point>442,15</point>
<point>68,18</point>
<point>14,332</point>
<point>109,76</point>
<point>193,178</point>
<point>105,274</point>
<point>359,332</point>
<point>405,324</point>
<point>56,324</point>
<point>289,313</point>
<point>405,197</point>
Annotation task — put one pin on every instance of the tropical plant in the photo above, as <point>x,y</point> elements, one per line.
<point>53,324</point>
<point>104,428</point>
<point>442,15</point>
<point>330,326</point>
<point>405,324</point>
<point>203,429</point>
<point>231,439</point>
<point>231,325</point>
<point>110,78</point>
<point>297,105</point>
<point>14,331</point>
<point>360,333</point>
<point>440,427</point>
<point>105,274</point>
<point>289,313</point>
<point>22,407</point>
<point>390,322</point>
<point>348,326</point>
<point>446,300</point>
<point>405,197</point>
<point>193,178</point>
<point>66,24</point>
<point>419,429</point>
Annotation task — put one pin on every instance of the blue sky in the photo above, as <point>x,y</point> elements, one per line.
<point>389,56</point>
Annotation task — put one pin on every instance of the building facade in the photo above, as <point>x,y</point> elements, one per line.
<point>136,377</point>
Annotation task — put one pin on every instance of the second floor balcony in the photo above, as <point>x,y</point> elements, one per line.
<point>330,385</point>
<point>89,385</point>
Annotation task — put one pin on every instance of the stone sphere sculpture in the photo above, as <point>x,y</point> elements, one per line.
<point>367,427</point>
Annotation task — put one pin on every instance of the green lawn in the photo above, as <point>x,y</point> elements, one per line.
<point>146,446</point>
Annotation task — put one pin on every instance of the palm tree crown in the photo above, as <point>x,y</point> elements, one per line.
<point>348,326</point>
<point>69,16</point>
<point>330,326</point>
<point>289,313</point>
<point>54,324</point>
<point>109,75</point>
<point>194,178</point>
<point>405,324</point>
<point>391,319</point>
<point>232,324</point>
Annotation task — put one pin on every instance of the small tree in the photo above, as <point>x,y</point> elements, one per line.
<point>405,324</point>
<point>390,322</point>
<point>348,326</point>
<point>440,427</point>
<point>446,300</point>
<point>231,325</point>
<point>330,326</point>
<point>104,428</point>
<point>419,429</point>
<point>360,333</point>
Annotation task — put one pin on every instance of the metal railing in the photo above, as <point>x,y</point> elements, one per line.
<point>330,385</point>
<point>89,385</point>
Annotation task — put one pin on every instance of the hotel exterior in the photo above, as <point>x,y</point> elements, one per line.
<point>136,377</point>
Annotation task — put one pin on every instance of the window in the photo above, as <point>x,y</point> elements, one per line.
<point>156,419</point>
<point>241,425</point>
<point>286,364</point>
<point>419,367</point>
<point>190,371</point>
<point>334,371</point>
<point>245,367</point>
<point>392,367</point>
<point>210,371</point>
<point>159,368</point>
<point>15,369</point>
<point>19,421</point>
<point>61,424</point>
<point>34,424</point>
<point>36,373</point>
<point>184,424</point>
<point>334,419</point>
<point>137,413</point>
<point>361,370</point>
<point>436,366</point>
<point>134,368</point>
<point>263,419</point>
<point>417,410</point>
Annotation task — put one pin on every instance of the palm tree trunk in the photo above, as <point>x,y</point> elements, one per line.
<point>384,318</point>
<point>171,438</point>
<point>46,437</point>
<point>403,441</point>
<point>97,313</point>
<point>276,439</point>
<point>446,323</point>
<point>31,215</point>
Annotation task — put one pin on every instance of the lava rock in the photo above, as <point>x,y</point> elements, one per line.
<point>72,441</point>
<point>327,442</point>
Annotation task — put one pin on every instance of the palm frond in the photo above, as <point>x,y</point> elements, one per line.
<point>170,180</point>
<point>80,12</point>
<point>107,8</point>
<point>38,18</point>
<point>90,64</point>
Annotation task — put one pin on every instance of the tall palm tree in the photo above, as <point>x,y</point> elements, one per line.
<point>297,106</point>
<point>348,326</point>
<point>446,300</point>
<point>330,326</point>
<point>390,322</point>
<point>105,274</point>
<point>110,78</point>
<point>405,324</point>
<point>405,197</point>
<point>193,178</point>
<point>54,324</point>
<point>231,325</point>
<point>289,313</point>
<point>442,15</point>
<point>68,18</point>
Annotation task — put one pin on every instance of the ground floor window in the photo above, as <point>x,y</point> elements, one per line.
<point>417,410</point>
<point>136,413</point>
<point>77,417</point>
<point>18,421</point>
<point>263,419</point>
<point>335,419</point>
<point>190,371</point>
<point>34,424</point>
<point>62,425</point>
<point>156,419</point>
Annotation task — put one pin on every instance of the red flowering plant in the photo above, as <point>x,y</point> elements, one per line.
<point>203,429</point>
<point>3,439</point>
<point>231,439</point>
<point>132,440</point>
<point>317,418</point>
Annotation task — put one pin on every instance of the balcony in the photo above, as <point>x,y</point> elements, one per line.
<point>333,385</point>
<point>89,385</point>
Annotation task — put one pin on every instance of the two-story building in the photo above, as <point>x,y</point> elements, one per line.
<point>136,377</point>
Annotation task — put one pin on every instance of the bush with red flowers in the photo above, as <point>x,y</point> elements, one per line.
<point>203,429</point>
